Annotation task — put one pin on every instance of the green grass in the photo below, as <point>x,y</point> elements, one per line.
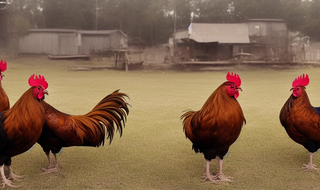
<point>153,152</point>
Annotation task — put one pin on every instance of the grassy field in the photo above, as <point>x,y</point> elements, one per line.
<point>153,152</point>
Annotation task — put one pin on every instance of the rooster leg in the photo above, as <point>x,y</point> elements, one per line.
<point>13,176</point>
<point>220,176</point>
<point>53,167</point>
<point>55,163</point>
<point>48,156</point>
<point>5,181</point>
<point>207,175</point>
<point>310,166</point>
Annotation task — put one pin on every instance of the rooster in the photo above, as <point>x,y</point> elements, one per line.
<point>4,100</point>
<point>21,126</point>
<point>64,130</point>
<point>301,120</point>
<point>217,125</point>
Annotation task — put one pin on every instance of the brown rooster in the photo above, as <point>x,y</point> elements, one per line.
<point>4,100</point>
<point>21,126</point>
<point>300,119</point>
<point>216,125</point>
<point>64,130</point>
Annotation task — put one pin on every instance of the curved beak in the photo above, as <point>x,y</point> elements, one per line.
<point>239,89</point>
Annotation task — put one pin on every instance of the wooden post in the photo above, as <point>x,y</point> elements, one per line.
<point>116,59</point>
<point>126,61</point>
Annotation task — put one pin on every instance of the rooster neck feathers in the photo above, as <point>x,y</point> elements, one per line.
<point>219,100</point>
<point>297,108</point>
<point>33,113</point>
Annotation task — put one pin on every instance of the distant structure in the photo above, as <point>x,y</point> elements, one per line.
<point>268,39</point>
<point>71,42</point>
<point>252,40</point>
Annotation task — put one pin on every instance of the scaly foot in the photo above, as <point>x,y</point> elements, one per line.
<point>216,178</point>
<point>50,170</point>
<point>6,182</point>
<point>309,166</point>
<point>221,177</point>
<point>209,177</point>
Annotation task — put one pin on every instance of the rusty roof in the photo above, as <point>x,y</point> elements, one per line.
<point>221,33</point>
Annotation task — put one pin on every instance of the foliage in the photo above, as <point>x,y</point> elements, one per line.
<point>22,25</point>
<point>218,11</point>
<point>154,21</point>
<point>312,26</point>
<point>73,14</point>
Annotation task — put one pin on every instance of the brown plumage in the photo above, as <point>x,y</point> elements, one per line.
<point>64,130</point>
<point>4,100</point>
<point>20,127</point>
<point>300,119</point>
<point>216,125</point>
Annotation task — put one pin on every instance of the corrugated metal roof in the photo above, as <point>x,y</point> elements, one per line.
<point>222,33</point>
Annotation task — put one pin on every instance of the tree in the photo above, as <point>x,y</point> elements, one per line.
<point>294,14</point>
<point>213,11</point>
<point>250,9</point>
<point>154,21</point>
<point>144,19</point>
<point>74,14</point>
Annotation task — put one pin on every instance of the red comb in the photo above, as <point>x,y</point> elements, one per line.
<point>38,80</point>
<point>234,77</point>
<point>302,80</point>
<point>3,66</point>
